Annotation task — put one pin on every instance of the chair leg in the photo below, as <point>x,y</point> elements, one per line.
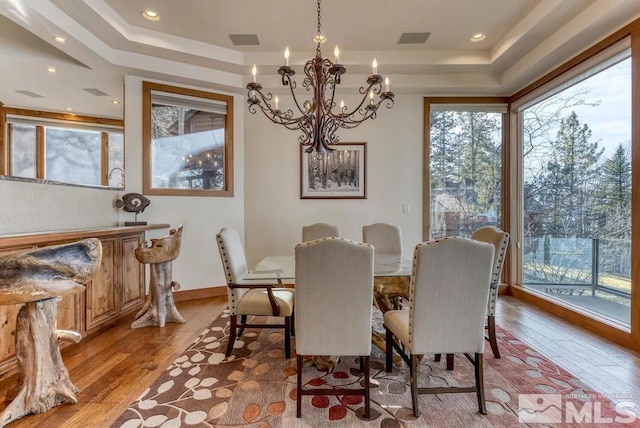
<point>287,337</point>
<point>389,350</point>
<point>299,385</point>
<point>243,320</point>
<point>491,323</point>
<point>437,358</point>
<point>480,383</point>
<point>293,322</point>
<point>449,361</point>
<point>367,387</point>
<point>414,385</point>
<point>232,334</point>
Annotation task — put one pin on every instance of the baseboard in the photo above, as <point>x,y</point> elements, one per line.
<point>200,293</point>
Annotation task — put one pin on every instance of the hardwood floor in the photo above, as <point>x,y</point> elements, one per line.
<point>115,367</point>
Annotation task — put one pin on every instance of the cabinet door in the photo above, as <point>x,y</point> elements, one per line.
<point>133,285</point>
<point>69,313</point>
<point>101,296</point>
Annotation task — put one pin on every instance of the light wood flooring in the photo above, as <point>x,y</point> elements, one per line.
<point>115,367</point>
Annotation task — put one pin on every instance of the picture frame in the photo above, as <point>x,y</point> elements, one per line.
<point>337,174</point>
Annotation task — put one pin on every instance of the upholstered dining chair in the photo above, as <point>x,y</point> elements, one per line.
<point>500,241</point>
<point>449,291</point>
<point>318,231</point>
<point>386,238</point>
<point>387,241</point>
<point>334,289</point>
<point>251,298</point>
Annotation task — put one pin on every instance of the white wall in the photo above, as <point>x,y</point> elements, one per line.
<point>33,207</point>
<point>274,212</point>
<point>199,263</point>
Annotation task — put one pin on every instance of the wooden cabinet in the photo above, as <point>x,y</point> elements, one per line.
<point>117,289</point>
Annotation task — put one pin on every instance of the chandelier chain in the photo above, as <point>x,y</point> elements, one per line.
<point>319,33</point>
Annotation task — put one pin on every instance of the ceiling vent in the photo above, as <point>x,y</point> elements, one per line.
<point>95,91</point>
<point>244,39</point>
<point>413,38</point>
<point>30,94</point>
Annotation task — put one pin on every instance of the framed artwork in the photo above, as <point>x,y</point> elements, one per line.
<point>339,174</point>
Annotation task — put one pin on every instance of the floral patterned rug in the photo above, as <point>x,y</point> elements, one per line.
<point>256,387</point>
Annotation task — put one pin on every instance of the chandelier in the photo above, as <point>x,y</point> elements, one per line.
<point>319,118</point>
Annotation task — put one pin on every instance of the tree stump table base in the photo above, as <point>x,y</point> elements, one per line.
<point>159,307</point>
<point>38,279</point>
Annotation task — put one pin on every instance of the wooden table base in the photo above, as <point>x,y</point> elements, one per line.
<point>44,380</point>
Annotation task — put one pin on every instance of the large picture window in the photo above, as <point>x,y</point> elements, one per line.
<point>465,166</point>
<point>188,142</point>
<point>63,148</point>
<point>576,156</point>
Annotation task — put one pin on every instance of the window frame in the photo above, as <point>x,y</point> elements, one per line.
<point>42,119</point>
<point>426,191</point>
<point>626,336</point>
<point>147,170</point>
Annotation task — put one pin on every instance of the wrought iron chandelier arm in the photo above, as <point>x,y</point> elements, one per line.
<point>287,81</point>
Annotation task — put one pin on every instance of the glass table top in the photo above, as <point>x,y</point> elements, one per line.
<point>284,267</point>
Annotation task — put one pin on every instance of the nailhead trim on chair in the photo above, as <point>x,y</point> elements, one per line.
<point>225,262</point>
<point>334,238</point>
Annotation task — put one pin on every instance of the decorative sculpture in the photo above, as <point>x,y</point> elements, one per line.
<point>133,203</point>
<point>38,279</point>
<point>159,306</point>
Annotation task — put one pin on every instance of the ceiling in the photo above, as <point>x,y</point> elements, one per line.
<point>190,44</point>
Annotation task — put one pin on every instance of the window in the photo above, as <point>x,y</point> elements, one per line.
<point>188,142</point>
<point>465,167</point>
<point>64,148</point>
<point>576,155</point>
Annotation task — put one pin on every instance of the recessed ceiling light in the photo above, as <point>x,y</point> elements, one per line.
<point>115,102</point>
<point>478,37</point>
<point>51,69</point>
<point>59,39</point>
<point>150,15</point>
<point>68,109</point>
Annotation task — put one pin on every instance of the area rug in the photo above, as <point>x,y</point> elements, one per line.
<point>256,387</point>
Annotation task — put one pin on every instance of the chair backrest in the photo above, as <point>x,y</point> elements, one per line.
<point>385,238</point>
<point>500,240</point>
<point>449,293</point>
<point>319,231</point>
<point>334,295</point>
<point>234,263</point>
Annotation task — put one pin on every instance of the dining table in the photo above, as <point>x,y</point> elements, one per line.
<point>392,275</point>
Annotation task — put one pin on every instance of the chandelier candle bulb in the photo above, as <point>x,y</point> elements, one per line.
<point>336,52</point>
<point>286,56</point>
<point>386,84</point>
<point>276,100</point>
<point>254,71</point>
<point>374,65</point>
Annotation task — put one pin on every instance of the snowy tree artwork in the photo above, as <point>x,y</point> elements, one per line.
<point>338,174</point>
